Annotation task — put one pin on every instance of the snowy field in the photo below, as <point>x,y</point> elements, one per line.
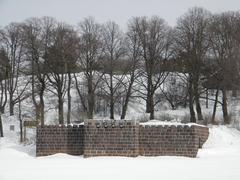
<point>218,160</point>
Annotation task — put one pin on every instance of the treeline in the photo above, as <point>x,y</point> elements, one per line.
<point>118,66</point>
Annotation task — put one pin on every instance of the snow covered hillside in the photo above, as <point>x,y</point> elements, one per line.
<point>218,160</point>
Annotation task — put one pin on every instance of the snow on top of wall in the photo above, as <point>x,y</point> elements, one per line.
<point>167,123</point>
<point>148,123</point>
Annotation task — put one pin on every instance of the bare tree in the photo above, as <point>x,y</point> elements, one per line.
<point>37,39</point>
<point>3,80</point>
<point>192,45</point>
<point>3,86</point>
<point>59,60</point>
<point>89,56</point>
<point>12,43</point>
<point>225,44</point>
<point>113,52</point>
<point>133,56</point>
<point>155,42</point>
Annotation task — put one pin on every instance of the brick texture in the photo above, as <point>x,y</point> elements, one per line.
<point>171,140</point>
<point>55,139</point>
<point>111,138</point>
<point>202,133</point>
<point>120,138</point>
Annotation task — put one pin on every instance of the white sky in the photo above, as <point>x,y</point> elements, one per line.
<point>72,11</point>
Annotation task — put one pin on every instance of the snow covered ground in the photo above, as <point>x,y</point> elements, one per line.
<point>218,160</point>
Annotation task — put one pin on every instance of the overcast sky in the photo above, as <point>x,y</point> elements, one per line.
<point>72,11</point>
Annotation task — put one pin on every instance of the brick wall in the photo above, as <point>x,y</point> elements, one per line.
<point>55,139</point>
<point>202,132</point>
<point>171,140</point>
<point>120,138</point>
<point>111,138</point>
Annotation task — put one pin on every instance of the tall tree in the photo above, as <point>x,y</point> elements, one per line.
<point>3,80</point>
<point>37,38</point>
<point>60,58</point>
<point>113,52</point>
<point>89,57</point>
<point>154,36</point>
<point>192,45</point>
<point>133,57</point>
<point>224,48</point>
<point>12,43</point>
<point>3,86</point>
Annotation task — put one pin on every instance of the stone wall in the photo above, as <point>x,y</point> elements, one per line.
<point>121,138</point>
<point>111,138</point>
<point>181,140</point>
<point>55,139</point>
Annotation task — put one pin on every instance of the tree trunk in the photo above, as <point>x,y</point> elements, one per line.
<point>36,105</point>
<point>111,107</point>
<point>224,107</point>
<point>125,105</point>
<point>151,107</point>
<point>198,108</point>
<point>207,98</point>
<point>11,106</point>
<point>37,112</point>
<point>4,95</point>
<point>124,109</point>
<point>215,108</point>
<point>111,97</point>
<point>42,109</point>
<point>185,100</point>
<point>91,104</point>
<point>1,125</point>
<point>91,100</point>
<point>197,101</point>
<point>41,103</point>
<point>191,108</point>
<point>69,98</point>
<point>148,101</point>
<point>20,120</point>
<point>60,109</point>
<point>148,104</point>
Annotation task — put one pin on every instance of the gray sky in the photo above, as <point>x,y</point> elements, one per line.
<point>72,11</point>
